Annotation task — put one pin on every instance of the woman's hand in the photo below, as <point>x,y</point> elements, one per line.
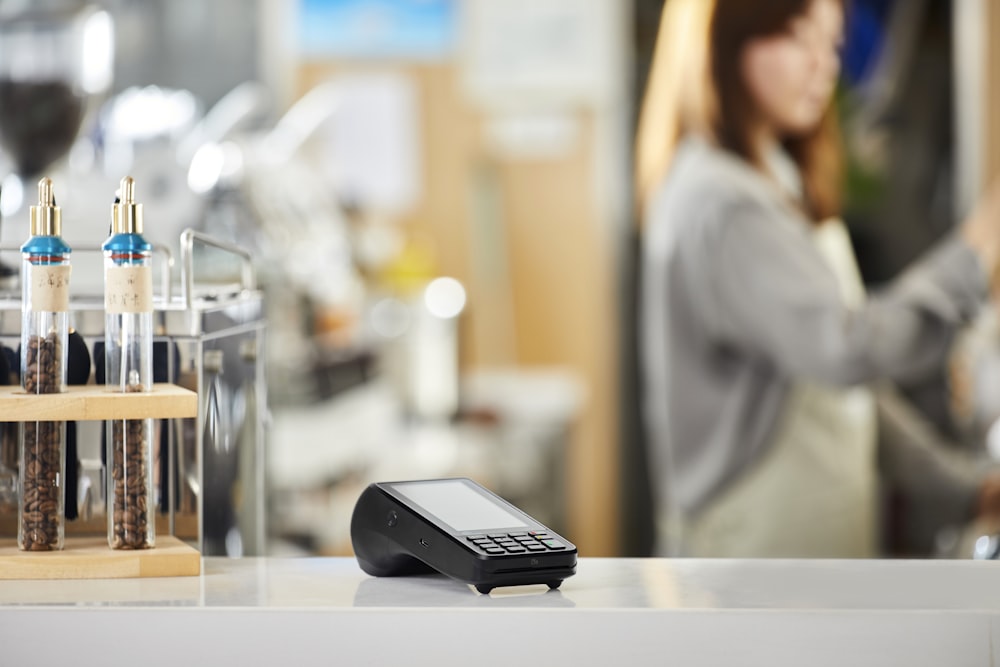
<point>981,230</point>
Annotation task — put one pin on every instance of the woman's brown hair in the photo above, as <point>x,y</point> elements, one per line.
<point>700,87</point>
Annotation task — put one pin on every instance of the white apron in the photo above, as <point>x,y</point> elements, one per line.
<point>813,493</point>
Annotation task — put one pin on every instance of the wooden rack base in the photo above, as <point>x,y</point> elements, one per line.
<point>91,558</point>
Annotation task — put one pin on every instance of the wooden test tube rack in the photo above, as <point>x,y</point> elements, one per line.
<point>90,557</point>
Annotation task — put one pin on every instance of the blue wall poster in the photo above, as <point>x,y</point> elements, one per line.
<point>418,29</point>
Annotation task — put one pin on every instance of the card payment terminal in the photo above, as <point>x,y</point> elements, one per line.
<point>458,528</point>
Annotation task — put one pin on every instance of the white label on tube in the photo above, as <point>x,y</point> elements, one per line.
<point>49,288</point>
<point>128,289</point>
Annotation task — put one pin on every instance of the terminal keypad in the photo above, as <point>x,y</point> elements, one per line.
<point>532,541</point>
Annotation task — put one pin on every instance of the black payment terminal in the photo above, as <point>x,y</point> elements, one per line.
<point>458,528</point>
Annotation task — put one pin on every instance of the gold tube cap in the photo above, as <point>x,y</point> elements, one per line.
<point>126,215</point>
<point>46,217</point>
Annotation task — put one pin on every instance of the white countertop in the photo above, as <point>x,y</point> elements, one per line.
<point>614,611</point>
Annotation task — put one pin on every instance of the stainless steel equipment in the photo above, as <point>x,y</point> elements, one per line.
<point>210,339</point>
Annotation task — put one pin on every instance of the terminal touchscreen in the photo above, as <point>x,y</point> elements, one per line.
<point>456,527</point>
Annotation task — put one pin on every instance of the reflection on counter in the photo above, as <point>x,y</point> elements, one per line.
<point>608,584</point>
<point>434,590</point>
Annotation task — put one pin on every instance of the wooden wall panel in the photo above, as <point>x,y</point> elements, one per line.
<point>564,286</point>
<point>559,271</point>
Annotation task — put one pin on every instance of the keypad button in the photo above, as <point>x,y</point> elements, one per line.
<point>517,535</point>
<point>493,550</point>
<point>516,549</point>
<point>527,539</point>
<point>534,547</point>
<point>553,544</point>
<point>497,536</point>
<point>477,538</point>
<point>540,534</point>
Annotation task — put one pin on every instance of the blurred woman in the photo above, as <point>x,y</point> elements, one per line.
<point>763,358</point>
